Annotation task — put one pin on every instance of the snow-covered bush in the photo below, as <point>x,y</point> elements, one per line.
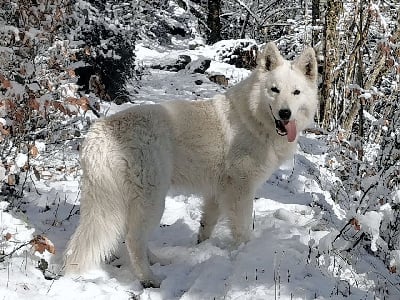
<point>160,22</point>
<point>261,20</point>
<point>44,45</point>
<point>32,79</point>
<point>104,36</point>
<point>240,53</point>
<point>368,185</point>
<point>366,150</point>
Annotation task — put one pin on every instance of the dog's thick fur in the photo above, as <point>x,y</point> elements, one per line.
<point>221,149</point>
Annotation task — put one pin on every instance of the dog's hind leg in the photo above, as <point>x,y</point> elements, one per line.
<point>97,233</point>
<point>209,218</point>
<point>142,219</point>
<point>146,210</point>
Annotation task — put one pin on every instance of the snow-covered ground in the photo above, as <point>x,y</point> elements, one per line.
<point>281,261</point>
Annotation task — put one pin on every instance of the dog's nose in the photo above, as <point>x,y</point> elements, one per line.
<point>285,114</point>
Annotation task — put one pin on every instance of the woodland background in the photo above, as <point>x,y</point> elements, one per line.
<point>61,59</point>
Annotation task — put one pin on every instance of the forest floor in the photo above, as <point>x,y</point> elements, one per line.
<point>281,261</point>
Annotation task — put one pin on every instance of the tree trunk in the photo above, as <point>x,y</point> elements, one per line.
<point>356,65</point>
<point>213,21</point>
<point>243,29</point>
<point>331,54</point>
<point>360,74</point>
<point>315,21</point>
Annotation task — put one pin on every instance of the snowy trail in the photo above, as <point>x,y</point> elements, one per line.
<point>275,264</point>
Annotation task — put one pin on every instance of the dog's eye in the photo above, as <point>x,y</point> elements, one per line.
<point>296,92</point>
<point>275,90</point>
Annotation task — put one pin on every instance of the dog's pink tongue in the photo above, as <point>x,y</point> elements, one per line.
<point>291,130</point>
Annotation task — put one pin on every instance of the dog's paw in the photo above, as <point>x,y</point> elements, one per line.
<point>202,236</point>
<point>240,239</point>
<point>153,259</point>
<point>200,239</point>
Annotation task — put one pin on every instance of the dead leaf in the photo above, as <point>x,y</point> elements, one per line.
<point>33,104</point>
<point>356,224</point>
<point>19,116</point>
<point>11,179</point>
<point>73,57</point>
<point>34,151</point>
<point>58,14</point>
<point>60,107</point>
<point>71,73</point>
<point>4,131</point>
<point>340,137</point>
<point>82,102</point>
<point>10,105</point>
<point>4,82</point>
<point>390,62</point>
<point>8,236</point>
<point>87,50</point>
<point>40,243</point>
<point>22,71</point>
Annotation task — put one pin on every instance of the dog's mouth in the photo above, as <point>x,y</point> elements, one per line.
<point>280,127</point>
<point>286,127</point>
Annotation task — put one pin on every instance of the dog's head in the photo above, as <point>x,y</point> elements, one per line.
<point>290,89</point>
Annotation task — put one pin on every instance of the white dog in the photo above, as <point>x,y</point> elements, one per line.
<point>221,149</point>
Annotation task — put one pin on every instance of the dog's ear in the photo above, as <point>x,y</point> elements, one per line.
<point>307,64</point>
<point>270,57</point>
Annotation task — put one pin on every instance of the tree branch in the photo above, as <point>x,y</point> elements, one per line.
<point>248,10</point>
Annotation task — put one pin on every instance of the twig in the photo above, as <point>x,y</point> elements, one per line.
<point>94,111</point>
<point>270,13</point>
<point>73,207</point>
<point>248,10</point>
<point>356,242</point>
<point>3,256</point>
<point>342,230</point>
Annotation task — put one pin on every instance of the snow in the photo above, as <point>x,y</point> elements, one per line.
<point>370,223</point>
<point>41,146</point>
<point>395,259</point>
<point>290,254</point>
<point>21,160</point>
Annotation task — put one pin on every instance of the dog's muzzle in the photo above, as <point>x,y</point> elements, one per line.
<point>284,126</point>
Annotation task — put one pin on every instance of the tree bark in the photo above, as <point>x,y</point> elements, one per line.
<point>213,21</point>
<point>356,73</point>
<point>331,54</point>
<point>315,21</point>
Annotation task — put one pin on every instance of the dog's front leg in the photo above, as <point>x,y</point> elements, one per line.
<point>209,218</point>
<point>237,202</point>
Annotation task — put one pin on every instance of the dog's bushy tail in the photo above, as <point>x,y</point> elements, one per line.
<point>96,235</point>
<point>103,208</point>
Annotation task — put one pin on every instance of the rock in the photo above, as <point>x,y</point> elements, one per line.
<point>199,66</point>
<point>196,43</point>
<point>219,79</point>
<point>240,53</point>
<point>179,64</point>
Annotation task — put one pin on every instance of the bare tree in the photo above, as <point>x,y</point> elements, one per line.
<point>213,21</point>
